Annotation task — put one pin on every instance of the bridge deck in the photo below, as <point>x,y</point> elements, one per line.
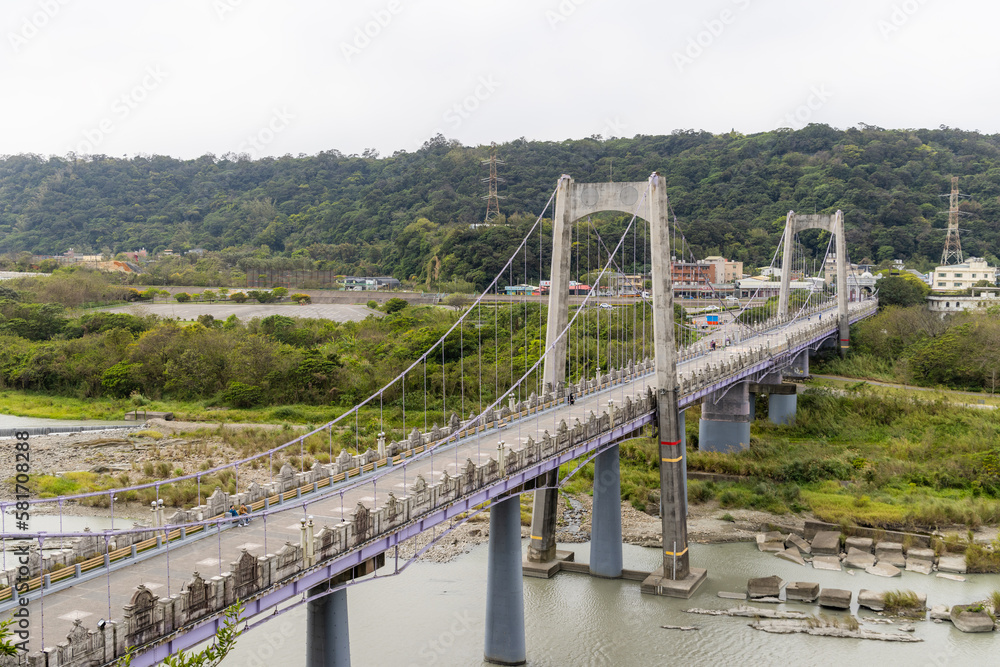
<point>213,554</point>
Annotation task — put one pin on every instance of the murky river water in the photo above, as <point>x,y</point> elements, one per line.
<point>433,614</point>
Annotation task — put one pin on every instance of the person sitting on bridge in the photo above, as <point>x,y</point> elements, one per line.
<point>233,513</point>
<point>572,399</point>
<point>244,514</point>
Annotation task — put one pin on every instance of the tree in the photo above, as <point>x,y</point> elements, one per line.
<point>182,297</point>
<point>238,297</point>
<point>300,298</point>
<point>900,291</point>
<point>279,293</point>
<point>394,305</point>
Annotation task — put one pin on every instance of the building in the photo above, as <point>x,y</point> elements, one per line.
<point>356,284</point>
<point>982,297</point>
<point>726,271</point>
<point>692,274</point>
<point>861,285</point>
<point>958,277</point>
<point>519,290</point>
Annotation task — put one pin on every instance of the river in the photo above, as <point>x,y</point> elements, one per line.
<point>39,425</point>
<point>433,614</point>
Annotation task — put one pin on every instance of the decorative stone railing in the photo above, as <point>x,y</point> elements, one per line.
<point>82,554</point>
<point>147,618</point>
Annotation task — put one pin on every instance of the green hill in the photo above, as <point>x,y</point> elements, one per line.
<point>408,215</point>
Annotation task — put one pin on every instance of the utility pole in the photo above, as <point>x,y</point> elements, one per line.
<point>952,253</point>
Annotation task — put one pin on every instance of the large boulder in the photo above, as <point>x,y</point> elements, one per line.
<point>826,563</point>
<point>794,540</point>
<point>826,543</point>
<point>859,560</point>
<point>835,598</point>
<point>859,543</point>
<point>954,563</point>
<point>772,542</point>
<point>765,587</point>
<point>940,612</point>
<point>890,552</point>
<point>802,591</point>
<point>882,569</point>
<point>971,621</point>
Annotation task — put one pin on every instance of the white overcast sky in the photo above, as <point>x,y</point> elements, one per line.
<point>188,77</point>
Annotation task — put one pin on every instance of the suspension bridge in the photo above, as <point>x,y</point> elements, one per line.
<point>510,421</point>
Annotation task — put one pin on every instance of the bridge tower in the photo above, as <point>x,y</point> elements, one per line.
<point>573,202</point>
<point>834,224</point>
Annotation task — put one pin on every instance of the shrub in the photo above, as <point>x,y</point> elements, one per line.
<point>700,492</point>
<point>300,298</point>
<point>279,293</point>
<point>182,297</point>
<point>897,601</point>
<point>983,557</point>
<point>262,296</point>
<point>238,297</point>
<point>373,304</point>
<point>240,395</point>
<point>395,304</point>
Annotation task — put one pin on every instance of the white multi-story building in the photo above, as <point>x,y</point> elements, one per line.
<point>957,277</point>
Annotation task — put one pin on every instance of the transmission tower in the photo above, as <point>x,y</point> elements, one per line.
<point>492,198</point>
<point>952,246</point>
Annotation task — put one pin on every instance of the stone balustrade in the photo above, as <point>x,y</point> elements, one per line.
<point>147,617</point>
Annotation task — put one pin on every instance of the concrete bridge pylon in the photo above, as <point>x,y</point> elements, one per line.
<point>647,200</point>
<point>833,223</point>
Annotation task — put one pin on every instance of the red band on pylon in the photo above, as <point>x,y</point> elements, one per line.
<point>670,444</point>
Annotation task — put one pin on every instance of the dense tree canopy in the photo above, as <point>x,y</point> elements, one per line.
<point>408,215</point>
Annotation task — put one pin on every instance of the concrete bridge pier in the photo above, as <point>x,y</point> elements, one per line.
<point>328,642</point>
<point>799,367</point>
<point>782,401</point>
<point>725,420</point>
<point>504,586</point>
<point>606,516</point>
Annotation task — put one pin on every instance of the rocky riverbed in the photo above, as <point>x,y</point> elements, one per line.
<point>189,447</point>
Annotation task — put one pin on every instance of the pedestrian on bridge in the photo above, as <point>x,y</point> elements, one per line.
<point>244,514</point>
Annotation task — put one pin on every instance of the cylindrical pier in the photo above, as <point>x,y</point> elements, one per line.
<point>504,586</point>
<point>606,517</point>
<point>328,643</point>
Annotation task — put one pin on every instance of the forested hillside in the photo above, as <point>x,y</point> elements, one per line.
<point>408,215</point>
